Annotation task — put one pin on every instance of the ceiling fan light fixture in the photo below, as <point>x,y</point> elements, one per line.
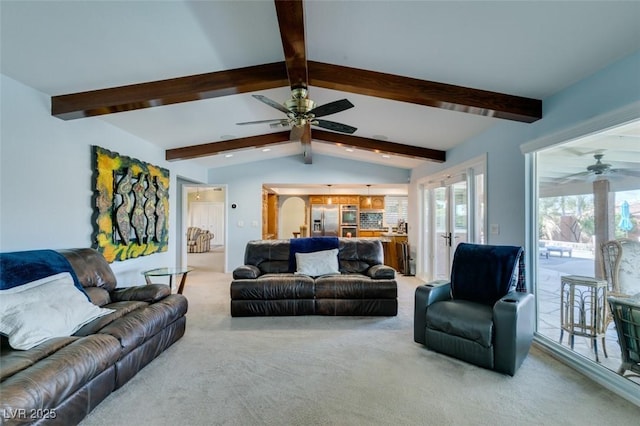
<point>300,106</point>
<point>600,167</point>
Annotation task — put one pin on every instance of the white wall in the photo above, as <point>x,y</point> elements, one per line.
<point>245,189</point>
<point>611,88</point>
<point>46,172</point>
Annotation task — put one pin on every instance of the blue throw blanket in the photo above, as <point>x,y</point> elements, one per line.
<point>485,273</point>
<point>21,267</point>
<point>309,245</point>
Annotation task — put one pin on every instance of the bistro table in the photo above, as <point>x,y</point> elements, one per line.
<point>582,309</point>
<point>168,272</point>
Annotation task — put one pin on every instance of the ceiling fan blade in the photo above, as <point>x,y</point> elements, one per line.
<point>626,172</point>
<point>296,133</point>
<point>338,127</point>
<point>574,177</point>
<point>331,108</point>
<point>305,140</point>
<point>291,22</point>
<point>271,103</point>
<point>275,120</point>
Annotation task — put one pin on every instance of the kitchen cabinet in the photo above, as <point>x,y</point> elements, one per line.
<point>349,199</point>
<point>393,251</point>
<point>368,233</point>
<point>377,202</point>
<point>317,199</point>
<point>269,215</point>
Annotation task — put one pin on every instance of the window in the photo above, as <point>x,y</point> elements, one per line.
<point>395,210</point>
<point>583,191</point>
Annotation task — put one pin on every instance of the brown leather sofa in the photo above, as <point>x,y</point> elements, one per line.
<point>61,380</point>
<point>266,285</point>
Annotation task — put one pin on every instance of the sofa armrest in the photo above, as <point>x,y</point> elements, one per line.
<point>513,319</point>
<point>246,272</point>
<point>381,272</point>
<point>426,295</point>
<point>143,293</point>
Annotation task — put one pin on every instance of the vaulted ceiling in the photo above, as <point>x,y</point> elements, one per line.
<point>423,76</point>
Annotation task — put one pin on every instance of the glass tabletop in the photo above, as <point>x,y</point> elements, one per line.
<point>160,272</point>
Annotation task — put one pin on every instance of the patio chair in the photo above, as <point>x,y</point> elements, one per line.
<point>483,315</point>
<point>626,314</point>
<point>621,268</point>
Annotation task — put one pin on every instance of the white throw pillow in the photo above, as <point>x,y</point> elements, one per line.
<point>42,309</point>
<point>318,263</point>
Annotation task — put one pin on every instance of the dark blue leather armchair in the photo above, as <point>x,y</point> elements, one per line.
<point>483,315</point>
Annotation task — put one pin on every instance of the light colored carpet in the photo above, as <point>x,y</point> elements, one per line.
<point>318,370</point>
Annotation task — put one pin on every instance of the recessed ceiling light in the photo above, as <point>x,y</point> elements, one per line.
<point>381,137</point>
<point>349,149</point>
<point>228,155</point>
<point>227,137</point>
<point>386,156</point>
<point>266,149</point>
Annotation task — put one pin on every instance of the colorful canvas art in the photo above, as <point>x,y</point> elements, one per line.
<point>131,206</point>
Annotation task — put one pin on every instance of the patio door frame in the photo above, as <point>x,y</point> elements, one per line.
<point>475,220</point>
<point>607,378</point>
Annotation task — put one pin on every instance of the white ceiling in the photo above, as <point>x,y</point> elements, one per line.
<point>567,164</point>
<point>531,49</point>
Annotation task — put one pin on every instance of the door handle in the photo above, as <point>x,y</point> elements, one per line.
<point>448,238</point>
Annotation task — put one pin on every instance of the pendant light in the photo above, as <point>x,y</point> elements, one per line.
<point>369,194</point>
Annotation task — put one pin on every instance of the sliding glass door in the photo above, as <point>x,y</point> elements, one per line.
<point>587,192</point>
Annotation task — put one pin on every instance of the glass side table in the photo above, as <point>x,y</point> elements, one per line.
<point>583,310</point>
<point>168,272</point>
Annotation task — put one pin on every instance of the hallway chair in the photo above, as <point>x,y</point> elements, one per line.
<point>198,240</point>
<point>483,315</point>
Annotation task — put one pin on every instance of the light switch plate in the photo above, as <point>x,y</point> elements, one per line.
<point>494,229</point>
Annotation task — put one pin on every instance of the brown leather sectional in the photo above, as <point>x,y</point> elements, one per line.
<point>61,380</point>
<point>266,286</point>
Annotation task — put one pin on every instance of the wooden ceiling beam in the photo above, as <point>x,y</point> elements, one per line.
<point>213,148</point>
<point>376,145</point>
<point>423,92</point>
<point>170,91</point>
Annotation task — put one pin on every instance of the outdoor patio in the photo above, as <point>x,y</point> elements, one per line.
<point>550,272</point>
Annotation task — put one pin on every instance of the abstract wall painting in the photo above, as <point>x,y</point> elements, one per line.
<point>131,206</point>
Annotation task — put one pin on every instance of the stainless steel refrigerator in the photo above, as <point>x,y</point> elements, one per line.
<point>324,220</point>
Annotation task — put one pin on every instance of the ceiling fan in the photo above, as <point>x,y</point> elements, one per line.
<point>600,169</point>
<point>301,110</point>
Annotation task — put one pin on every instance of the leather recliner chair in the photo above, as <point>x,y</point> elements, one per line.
<point>483,315</point>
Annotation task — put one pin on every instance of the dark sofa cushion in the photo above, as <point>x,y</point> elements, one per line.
<point>354,286</point>
<point>246,272</point>
<point>274,286</point>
